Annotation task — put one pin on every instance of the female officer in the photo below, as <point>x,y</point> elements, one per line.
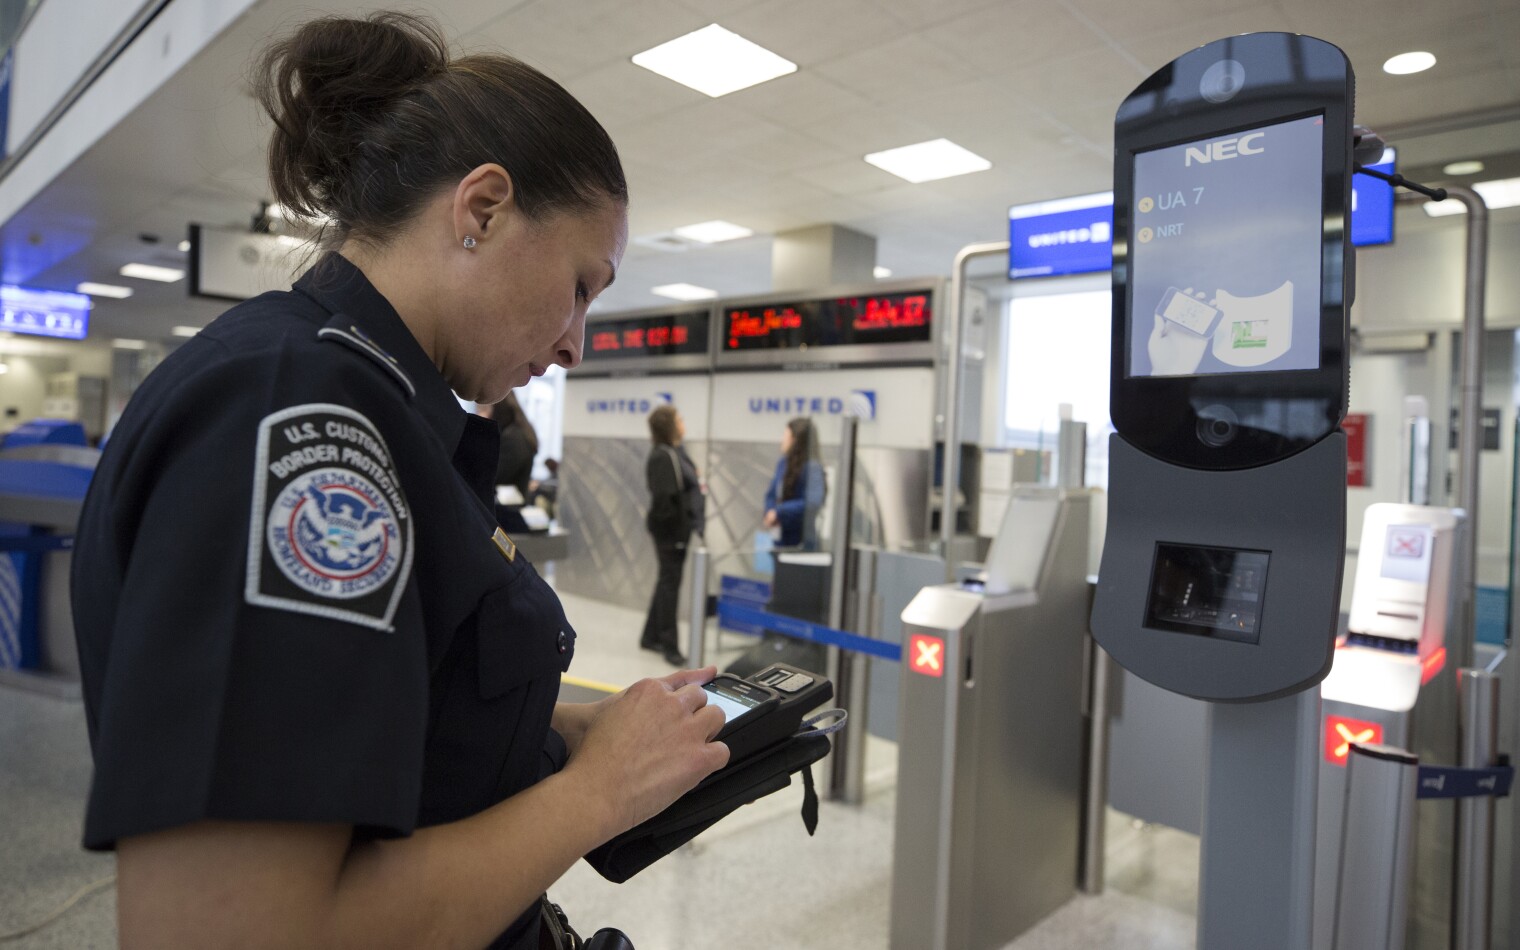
<point>320,682</point>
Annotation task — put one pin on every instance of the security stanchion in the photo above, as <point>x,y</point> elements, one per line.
<point>1377,863</point>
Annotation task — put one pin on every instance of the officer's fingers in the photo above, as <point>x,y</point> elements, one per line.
<point>680,678</point>
<point>692,697</point>
<point>712,720</point>
<point>715,755</point>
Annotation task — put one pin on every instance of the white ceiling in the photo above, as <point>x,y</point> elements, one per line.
<point>1029,84</point>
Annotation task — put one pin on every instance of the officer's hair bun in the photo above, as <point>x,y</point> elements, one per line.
<point>371,117</point>
<point>324,85</point>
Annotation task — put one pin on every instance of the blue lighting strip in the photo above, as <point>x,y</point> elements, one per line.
<point>731,614</point>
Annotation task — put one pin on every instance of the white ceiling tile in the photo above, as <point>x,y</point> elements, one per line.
<point>849,177</point>
<point>813,32</point>
<point>863,131</point>
<point>1012,35</point>
<point>796,100</point>
<point>906,66</point>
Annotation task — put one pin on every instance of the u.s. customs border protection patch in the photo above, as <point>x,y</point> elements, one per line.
<point>330,531</point>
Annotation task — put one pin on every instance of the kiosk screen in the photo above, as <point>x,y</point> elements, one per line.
<point>1213,592</point>
<point>1225,242</point>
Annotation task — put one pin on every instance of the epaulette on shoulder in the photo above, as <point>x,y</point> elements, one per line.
<point>355,339</point>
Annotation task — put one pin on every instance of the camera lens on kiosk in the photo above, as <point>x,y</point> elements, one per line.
<point>1217,425</point>
<point>1222,81</point>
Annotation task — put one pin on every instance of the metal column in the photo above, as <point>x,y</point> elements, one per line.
<point>950,467</point>
<point>1372,893</point>
<point>1261,786</point>
<point>846,763</point>
<point>1473,887</point>
<point>696,634</point>
<point>1459,642</point>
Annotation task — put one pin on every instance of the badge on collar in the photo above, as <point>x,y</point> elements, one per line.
<point>331,533</point>
<point>504,545</point>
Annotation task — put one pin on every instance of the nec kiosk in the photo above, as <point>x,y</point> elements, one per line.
<point>1222,566</point>
<point>1221,569</point>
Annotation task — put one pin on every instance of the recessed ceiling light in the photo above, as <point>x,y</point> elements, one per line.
<point>185,331</point>
<point>711,232</point>
<point>184,247</point>
<point>714,61</point>
<point>129,344</point>
<point>1500,193</point>
<point>929,161</point>
<point>684,292</point>
<point>4,369</point>
<point>880,272</point>
<point>1463,168</point>
<point>167,275</point>
<point>102,290</point>
<point>1406,63</point>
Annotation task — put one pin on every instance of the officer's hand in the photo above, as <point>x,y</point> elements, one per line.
<point>650,744</point>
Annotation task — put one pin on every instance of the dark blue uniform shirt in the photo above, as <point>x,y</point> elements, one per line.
<point>291,595</point>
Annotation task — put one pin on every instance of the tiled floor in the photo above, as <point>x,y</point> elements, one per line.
<point>755,874</point>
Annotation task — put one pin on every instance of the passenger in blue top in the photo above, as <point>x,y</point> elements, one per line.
<point>321,683</point>
<point>797,491</point>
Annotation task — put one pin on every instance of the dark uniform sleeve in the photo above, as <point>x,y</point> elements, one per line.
<point>247,619</point>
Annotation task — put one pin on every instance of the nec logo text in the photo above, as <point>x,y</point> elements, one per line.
<point>1224,149</point>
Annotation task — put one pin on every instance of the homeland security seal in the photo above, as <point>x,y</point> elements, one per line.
<point>331,533</point>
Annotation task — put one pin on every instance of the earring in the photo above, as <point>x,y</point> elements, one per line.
<point>469,243</point>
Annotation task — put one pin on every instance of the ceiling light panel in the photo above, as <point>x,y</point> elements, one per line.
<point>185,331</point>
<point>712,232</point>
<point>881,273</point>
<point>1471,167</point>
<point>121,344</point>
<point>684,292</point>
<point>102,290</point>
<point>1406,63</point>
<point>167,275</point>
<point>714,61</point>
<point>929,161</point>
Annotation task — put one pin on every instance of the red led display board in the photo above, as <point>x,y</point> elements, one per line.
<point>905,317</point>
<point>667,334</point>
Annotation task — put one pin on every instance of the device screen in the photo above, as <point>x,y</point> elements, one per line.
<point>1214,592</point>
<point>1226,241</point>
<point>733,705</point>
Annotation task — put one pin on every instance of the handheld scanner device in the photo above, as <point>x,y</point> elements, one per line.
<point>765,708</point>
<point>1232,190</point>
<point>1226,519</point>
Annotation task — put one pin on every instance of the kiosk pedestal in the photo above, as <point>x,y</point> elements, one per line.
<point>989,793</point>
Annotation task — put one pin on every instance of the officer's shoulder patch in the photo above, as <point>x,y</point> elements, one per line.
<point>331,534</point>
<point>340,330</point>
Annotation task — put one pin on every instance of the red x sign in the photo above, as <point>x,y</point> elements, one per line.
<point>926,655</point>
<point>1406,544</point>
<point>1342,731</point>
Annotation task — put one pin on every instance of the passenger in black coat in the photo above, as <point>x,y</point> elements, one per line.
<point>677,509</point>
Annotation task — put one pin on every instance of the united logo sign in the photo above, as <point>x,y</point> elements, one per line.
<point>331,534</point>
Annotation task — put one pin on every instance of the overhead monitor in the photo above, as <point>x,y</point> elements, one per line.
<point>838,321</point>
<point>1372,204</point>
<point>1063,236</point>
<point>50,313</point>
<point>661,334</point>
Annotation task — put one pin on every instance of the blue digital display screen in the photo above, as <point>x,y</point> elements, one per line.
<point>1065,236</point>
<point>1372,205</point>
<point>51,313</point>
